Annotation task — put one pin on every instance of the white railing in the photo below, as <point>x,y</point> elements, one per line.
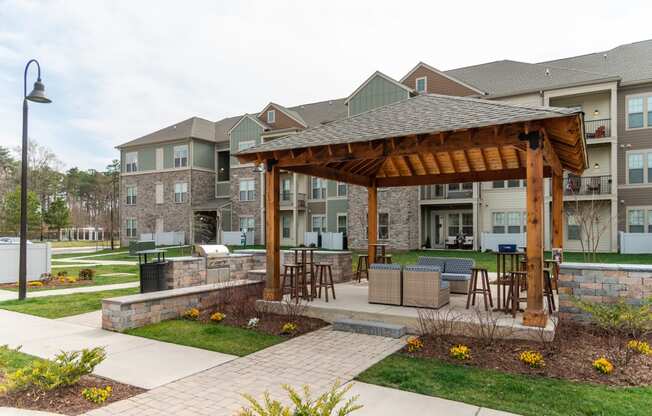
<point>635,243</point>
<point>329,241</point>
<point>490,241</point>
<point>170,238</point>
<point>39,261</point>
<point>235,238</point>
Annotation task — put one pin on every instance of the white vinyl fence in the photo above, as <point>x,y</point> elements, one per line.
<point>635,243</point>
<point>330,241</point>
<point>234,238</point>
<point>39,261</point>
<point>490,241</point>
<point>171,238</point>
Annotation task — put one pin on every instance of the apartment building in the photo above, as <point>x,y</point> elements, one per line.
<point>183,178</point>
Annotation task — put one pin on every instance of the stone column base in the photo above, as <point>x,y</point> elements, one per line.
<point>536,318</point>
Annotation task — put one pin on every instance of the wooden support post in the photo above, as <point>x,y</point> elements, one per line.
<point>372,222</point>
<point>272,241</point>
<point>535,314</point>
<point>557,211</point>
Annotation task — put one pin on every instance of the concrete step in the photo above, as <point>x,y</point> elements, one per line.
<point>382,329</point>
<point>257,274</point>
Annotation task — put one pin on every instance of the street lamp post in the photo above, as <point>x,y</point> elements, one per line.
<point>38,96</point>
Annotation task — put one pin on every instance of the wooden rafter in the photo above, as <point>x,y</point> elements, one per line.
<point>479,176</point>
<point>408,165</point>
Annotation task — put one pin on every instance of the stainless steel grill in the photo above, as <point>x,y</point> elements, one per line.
<point>215,255</point>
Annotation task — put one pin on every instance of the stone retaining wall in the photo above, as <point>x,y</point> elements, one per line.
<point>601,283</point>
<point>133,311</point>
<point>185,272</point>
<point>341,261</point>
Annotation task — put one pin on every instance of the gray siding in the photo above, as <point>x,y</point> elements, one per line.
<point>377,93</point>
<point>334,207</point>
<point>245,131</point>
<point>203,155</point>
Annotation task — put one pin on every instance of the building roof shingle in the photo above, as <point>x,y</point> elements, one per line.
<point>194,127</point>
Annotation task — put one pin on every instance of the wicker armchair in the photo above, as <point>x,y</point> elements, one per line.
<point>423,287</point>
<point>385,284</point>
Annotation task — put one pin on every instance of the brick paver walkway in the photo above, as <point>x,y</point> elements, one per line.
<point>316,359</point>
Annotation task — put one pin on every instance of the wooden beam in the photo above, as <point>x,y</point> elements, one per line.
<point>484,160</point>
<point>422,161</point>
<point>330,173</point>
<point>372,222</point>
<point>392,165</point>
<point>273,290</point>
<point>549,154</point>
<point>557,211</point>
<point>435,162</point>
<point>443,178</point>
<point>535,314</point>
<point>501,158</point>
<point>406,160</point>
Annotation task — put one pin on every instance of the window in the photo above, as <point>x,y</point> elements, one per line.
<point>286,194</point>
<point>453,225</point>
<point>636,220</point>
<point>318,188</point>
<point>159,193</point>
<point>498,184</point>
<point>271,116</point>
<point>649,221</point>
<point>421,84</point>
<point>508,222</point>
<point>467,224</point>
<point>573,229</point>
<point>285,225</point>
<point>246,144</point>
<point>499,223</point>
<point>467,186</point>
<point>342,189</point>
<point>181,156</point>
<point>635,113</point>
<point>383,226</point>
<point>513,222</point>
<point>131,160</point>
<point>132,226</point>
<point>649,167</point>
<point>513,183</point>
<point>247,224</point>
<point>181,192</point>
<point>223,166</point>
<point>318,223</point>
<point>132,192</point>
<point>247,187</point>
<point>635,167</point>
<point>342,223</point>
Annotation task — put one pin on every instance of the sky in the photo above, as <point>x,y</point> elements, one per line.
<point>116,70</point>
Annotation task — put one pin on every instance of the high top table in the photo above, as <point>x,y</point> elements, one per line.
<point>506,262</point>
<point>305,260</point>
<point>380,250</point>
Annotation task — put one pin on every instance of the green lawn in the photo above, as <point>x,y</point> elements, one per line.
<point>11,360</point>
<point>64,305</point>
<point>208,336</point>
<point>122,254</point>
<point>529,396</point>
<point>58,244</point>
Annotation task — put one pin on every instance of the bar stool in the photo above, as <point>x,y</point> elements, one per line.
<point>363,267</point>
<point>548,290</point>
<point>473,288</point>
<point>385,258</point>
<point>324,280</point>
<point>554,266</point>
<point>295,272</point>
<point>517,283</point>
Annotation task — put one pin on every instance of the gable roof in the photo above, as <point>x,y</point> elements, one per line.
<point>194,127</point>
<point>374,75</point>
<point>290,113</point>
<point>443,74</point>
<point>322,112</point>
<point>632,62</point>
<point>223,127</point>
<point>252,118</point>
<point>506,77</point>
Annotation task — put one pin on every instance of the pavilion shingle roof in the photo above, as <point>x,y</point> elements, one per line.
<point>423,114</point>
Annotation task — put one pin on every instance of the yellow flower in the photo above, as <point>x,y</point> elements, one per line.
<point>289,328</point>
<point>192,314</point>
<point>640,347</point>
<point>460,352</point>
<point>603,365</point>
<point>532,358</point>
<point>217,317</point>
<point>414,344</point>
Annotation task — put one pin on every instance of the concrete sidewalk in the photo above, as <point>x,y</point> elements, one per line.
<point>133,360</point>
<point>11,295</point>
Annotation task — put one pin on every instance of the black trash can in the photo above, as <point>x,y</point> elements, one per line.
<point>152,272</point>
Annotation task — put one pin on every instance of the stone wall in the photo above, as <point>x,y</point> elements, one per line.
<point>601,283</point>
<point>185,272</point>
<point>246,208</point>
<point>202,188</point>
<point>133,311</point>
<point>341,261</point>
<point>402,204</point>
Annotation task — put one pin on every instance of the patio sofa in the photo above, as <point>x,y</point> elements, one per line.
<point>423,287</point>
<point>455,271</point>
<point>385,284</point>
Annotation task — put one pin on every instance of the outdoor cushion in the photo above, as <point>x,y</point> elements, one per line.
<point>424,268</point>
<point>383,266</point>
<point>459,266</point>
<point>432,261</point>
<point>456,276</point>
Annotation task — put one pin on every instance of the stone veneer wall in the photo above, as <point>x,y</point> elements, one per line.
<point>341,261</point>
<point>246,208</point>
<point>133,311</point>
<point>601,283</point>
<point>402,204</point>
<point>191,271</point>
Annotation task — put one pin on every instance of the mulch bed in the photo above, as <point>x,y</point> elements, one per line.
<point>570,356</point>
<point>68,400</point>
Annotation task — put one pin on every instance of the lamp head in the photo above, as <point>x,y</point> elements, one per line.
<point>38,93</point>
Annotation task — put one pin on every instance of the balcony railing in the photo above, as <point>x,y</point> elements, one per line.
<point>287,199</point>
<point>587,185</point>
<point>429,192</point>
<point>597,129</point>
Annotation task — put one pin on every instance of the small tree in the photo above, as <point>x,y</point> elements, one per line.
<point>587,215</point>
<point>11,211</point>
<point>58,215</point>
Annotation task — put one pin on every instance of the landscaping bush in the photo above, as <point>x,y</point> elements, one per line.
<point>97,395</point>
<point>65,370</point>
<point>414,344</point>
<point>460,352</point>
<point>191,314</point>
<point>603,366</point>
<point>620,318</point>
<point>532,358</point>
<point>86,274</point>
<point>62,273</point>
<point>327,404</point>
<point>289,328</point>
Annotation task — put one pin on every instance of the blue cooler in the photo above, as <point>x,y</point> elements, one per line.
<point>507,248</point>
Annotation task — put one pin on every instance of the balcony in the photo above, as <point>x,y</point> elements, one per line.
<point>587,185</point>
<point>430,192</point>
<point>597,129</point>
<point>287,200</point>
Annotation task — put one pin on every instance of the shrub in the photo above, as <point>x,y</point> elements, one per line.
<point>532,358</point>
<point>460,352</point>
<point>97,395</point>
<point>86,274</point>
<point>192,314</point>
<point>620,318</point>
<point>62,273</point>
<point>218,317</point>
<point>71,280</point>
<point>253,323</point>
<point>603,365</point>
<point>289,328</point>
<point>65,370</point>
<point>640,347</point>
<point>35,283</point>
<point>414,344</point>
<point>327,404</point>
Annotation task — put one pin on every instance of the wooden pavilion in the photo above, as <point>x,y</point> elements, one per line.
<point>435,139</point>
